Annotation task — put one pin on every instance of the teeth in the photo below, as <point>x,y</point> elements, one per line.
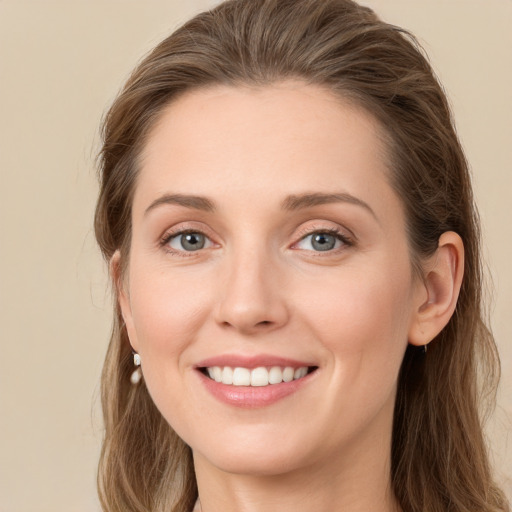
<point>227,375</point>
<point>259,377</point>
<point>300,372</point>
<point>241,377</point>
<point>256,377</point>
<point>288,374</point>
<point>217,374</point>
<point>275,375</point>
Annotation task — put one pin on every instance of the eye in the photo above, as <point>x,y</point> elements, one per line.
<point>188,241</point>
<point>322,241</point>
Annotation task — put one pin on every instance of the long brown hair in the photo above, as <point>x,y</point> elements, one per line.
<point>439,457</point>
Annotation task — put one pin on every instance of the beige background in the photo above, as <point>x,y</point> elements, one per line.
<point>61,63</point>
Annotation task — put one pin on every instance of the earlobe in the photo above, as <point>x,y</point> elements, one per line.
<point>122,296</point>
<point>442,282</point>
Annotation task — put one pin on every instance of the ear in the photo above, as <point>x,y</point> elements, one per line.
<point>123,296</point>
<point>442,281</point>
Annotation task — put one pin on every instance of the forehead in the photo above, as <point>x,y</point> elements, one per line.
<point>286,137</point>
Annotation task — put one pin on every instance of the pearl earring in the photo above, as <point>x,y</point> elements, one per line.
<point>137,373</point>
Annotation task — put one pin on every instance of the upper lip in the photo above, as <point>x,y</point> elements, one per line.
<point>252,361</point>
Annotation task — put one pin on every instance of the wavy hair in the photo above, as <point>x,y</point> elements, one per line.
<point>439,457</point>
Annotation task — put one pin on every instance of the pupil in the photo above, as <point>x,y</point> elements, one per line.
<point>323,242</point>
<point>192,241</point>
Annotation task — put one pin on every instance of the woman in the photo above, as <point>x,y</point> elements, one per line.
<point>290,227</point>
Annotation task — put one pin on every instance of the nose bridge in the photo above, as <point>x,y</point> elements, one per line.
<point>250,299</point>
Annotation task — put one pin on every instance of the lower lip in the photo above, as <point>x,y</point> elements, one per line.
<point>251,397</point>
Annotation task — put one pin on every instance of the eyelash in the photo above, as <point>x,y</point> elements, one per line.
<point>166,239</point>
<point>336,232</point>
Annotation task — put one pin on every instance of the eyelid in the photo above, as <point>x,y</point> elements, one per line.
<point>207,242</point>
<point>348,240</point>
<point>341,233</point>
<point>183,229</point>
<point>319,226</point>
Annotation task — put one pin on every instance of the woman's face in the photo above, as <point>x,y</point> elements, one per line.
<point>267,242</point>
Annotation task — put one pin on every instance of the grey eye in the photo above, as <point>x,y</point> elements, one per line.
<point>323,241</point>
<point>189,242</point>
<point>320,241</point>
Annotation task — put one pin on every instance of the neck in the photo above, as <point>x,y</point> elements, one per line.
<point>355,480</point>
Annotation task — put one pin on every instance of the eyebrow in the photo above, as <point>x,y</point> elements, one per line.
<point>193,202</point>
<point>309,200</point>
<point>290,203</point>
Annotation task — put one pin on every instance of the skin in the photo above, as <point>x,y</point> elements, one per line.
<point>259,286</point>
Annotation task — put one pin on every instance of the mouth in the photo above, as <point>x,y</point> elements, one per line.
<point>254,381</point>
<point>261,376</point>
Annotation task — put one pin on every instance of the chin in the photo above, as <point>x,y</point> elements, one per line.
<point>255,453</point>
<point>254,464</point>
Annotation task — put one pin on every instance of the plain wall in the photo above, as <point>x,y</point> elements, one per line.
<point>61,64</point>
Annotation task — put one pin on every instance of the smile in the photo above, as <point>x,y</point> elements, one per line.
<point>245,381</point>
<point>256,377</point>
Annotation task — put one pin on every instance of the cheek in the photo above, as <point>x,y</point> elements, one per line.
<point>167,313</point>
<point>362,319</point>
<point>360,302</point>
<point>161,297</point>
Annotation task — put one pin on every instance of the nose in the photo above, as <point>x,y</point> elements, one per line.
<point>252,296</point>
